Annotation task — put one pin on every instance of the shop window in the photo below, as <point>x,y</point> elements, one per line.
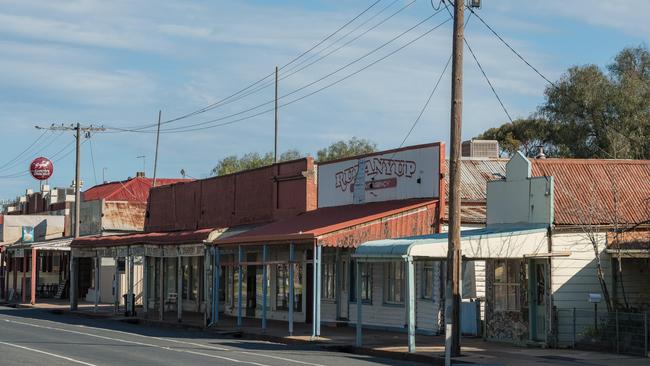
<point>394,283</point>
<point>190,268</point>
<point>366,282</point>
<point>328,278</point>
<point>282,287</point>
<point>507,285</point>
<point>427,280</point>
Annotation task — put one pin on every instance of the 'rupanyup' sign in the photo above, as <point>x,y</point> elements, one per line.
<point>411,172</point>
<point>41,168</point>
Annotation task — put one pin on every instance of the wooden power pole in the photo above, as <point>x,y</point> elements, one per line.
<point>454,248</point>
<point>77,199</point>
<point>155,161</point>
<point>275,145</point>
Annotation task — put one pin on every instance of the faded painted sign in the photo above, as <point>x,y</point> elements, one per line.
<point>406,173</point>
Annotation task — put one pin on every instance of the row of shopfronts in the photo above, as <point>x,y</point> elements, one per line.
<point>360,242</point>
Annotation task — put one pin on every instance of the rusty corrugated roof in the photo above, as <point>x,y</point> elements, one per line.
<point>123,216</point>
<point>133,189</point>
<point>325,220</point>
<point>598,191</point>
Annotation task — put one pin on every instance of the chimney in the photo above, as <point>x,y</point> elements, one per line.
<point>139,174</point>
<point>540,154</point>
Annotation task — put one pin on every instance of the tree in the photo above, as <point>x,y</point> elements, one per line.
<point>233,163</point>
<point>344,149</point>
<point>525,135</point>
<point>590,113</point>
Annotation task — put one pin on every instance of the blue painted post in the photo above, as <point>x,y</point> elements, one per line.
<point>217,285</point>
<point>410,303</point>
<point>179,290</point>
<point>314,293</point>
<point>240,278</point>
<point>265,285</point>
<point>318,288</point>
<point>291,287</point>
<point>357,281</point>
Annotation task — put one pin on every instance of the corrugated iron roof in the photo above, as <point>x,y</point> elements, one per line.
<point>154,238</point>
<point>598,191</point>
<point>125,216</point>
<point>133,189</point>
<point>474,175</point>
<point>312,224</point>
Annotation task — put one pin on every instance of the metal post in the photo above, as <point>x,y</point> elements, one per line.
<point>206,286</point>
<point>315,298</point>
<point>23,289</point>
<point>596,316</point>
<point>74,277</point>
<point>161,287</point>
<point>337,282</point>
<point>454,247</point>
<point>357,279</point>
<point>145,286</point>
<point>116,286</point>
<point>319,250</point>
<point>97,279</point>
<point>291,287</point>
<point>34,276</point>
<point>179,290</point>
<point>574,327</point>
<point>240,277</point>
<point>265,289</point>
<point>216,287</point>
<point>131,296</point>
<point>410,304</point>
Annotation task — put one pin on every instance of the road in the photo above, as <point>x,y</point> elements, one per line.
<point>37,337</point>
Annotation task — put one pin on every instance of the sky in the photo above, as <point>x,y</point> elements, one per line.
<point>116,64</point>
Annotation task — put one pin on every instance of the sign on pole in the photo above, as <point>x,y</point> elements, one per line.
<point>41,168</point>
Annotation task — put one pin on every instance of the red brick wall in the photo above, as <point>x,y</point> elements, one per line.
<point>255,196</point>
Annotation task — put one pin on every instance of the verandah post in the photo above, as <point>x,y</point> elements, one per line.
<point>265,289</point>
<point>239,286</point>
<point>291,287</point>
<point>357,281</point>
<point>410,303</point>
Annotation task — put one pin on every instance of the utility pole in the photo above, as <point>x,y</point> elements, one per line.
<point>74,262</point>
<point>454,247</point>
<point>275,146</point>
<point>155,161</point>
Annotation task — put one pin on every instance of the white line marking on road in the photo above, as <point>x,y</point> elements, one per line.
<point>48,353</point>
<point>194,344</point>
<point>280,358</point>
<point>136,343</point>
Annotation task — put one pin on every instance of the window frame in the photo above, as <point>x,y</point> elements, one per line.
<point>366,281</point>
<point>427,266</point>
<point>394,274</point>
<point>508,289</point>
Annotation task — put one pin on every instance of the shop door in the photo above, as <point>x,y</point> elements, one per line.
<point>538,300</point>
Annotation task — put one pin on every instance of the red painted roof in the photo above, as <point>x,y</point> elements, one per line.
<point>598,191</point>
<point>312,224</point>
<point>134,189</point>
<point>156,238</point>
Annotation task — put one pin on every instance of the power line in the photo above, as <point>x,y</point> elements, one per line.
<point>24,151</point>
<point>189,128</point>
<point>217,103</point>
<point>487,79</point>
<point>92,159</point>
<point>30,155</point>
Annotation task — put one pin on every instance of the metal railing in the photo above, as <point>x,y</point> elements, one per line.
<point>600,330</point>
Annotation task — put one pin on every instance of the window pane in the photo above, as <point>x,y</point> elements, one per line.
<point>513,297</point>
<point>513,271</point>
<point>499,271</point>
<point>499,297</point>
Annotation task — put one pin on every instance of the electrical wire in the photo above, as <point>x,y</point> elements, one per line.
<point>324,87</point>
<point>92,159</point>
<point>191,127</point>
<point>24,151</point>
<point>31,155</point>
<point>219,102</point>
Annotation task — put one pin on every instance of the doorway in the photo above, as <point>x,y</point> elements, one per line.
<point>538,288</point>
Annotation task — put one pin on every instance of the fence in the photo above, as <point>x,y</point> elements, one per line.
<point>600,330</point>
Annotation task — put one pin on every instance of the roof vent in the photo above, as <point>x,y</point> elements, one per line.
<point>540,154</point>
<point>139,174</point>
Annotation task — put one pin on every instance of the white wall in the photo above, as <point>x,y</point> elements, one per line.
<point>574,278</point>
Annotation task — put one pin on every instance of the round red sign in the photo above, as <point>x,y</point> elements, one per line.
<point>41,168</point>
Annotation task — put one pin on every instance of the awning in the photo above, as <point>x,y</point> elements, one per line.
<point>499,242</point>
<point>313,225</point>
<point>62,244</point>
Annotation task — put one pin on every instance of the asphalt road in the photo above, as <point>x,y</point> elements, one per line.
<point>37,337</point>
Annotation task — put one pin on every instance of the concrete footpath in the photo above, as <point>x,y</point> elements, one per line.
<point>392,345</point>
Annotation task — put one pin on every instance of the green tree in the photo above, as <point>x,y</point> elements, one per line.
<point>589,113</point>
<point>344,149</point>
<point>233,163</point>
<point>525,135</point>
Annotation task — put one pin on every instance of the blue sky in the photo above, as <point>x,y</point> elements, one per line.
<point>117,63</point>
